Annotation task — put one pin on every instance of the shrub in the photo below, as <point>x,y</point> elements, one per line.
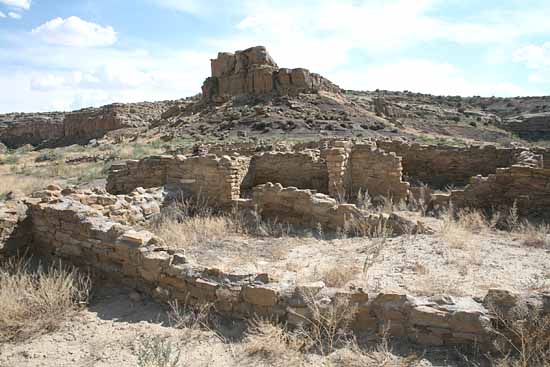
<point>35,300</point>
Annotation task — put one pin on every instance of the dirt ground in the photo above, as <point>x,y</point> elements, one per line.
<point>463,264</point>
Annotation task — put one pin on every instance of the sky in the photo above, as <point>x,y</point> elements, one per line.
<point>70,54</point>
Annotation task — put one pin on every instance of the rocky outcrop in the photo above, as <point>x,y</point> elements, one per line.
<point>92,123</point>
<point>534,126</point>
<point>19,129</point>
<point>254,72</point>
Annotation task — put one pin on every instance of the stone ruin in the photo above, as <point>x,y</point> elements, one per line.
<point>253,72</point>
<point>101,228</point>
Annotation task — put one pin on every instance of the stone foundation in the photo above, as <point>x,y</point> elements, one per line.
<point>217,179</point>
<point>63,227</point>
<point>308,209</point>
<point>527,187</point>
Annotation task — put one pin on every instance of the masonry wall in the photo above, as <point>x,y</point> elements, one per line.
<point>14,231</point>
<point>304,170</point>
<point>216,178</point>
<point>528,187</point>
<point>377,172</point>
<point>441,166</point>
<point>64,228</point>
<point>307,209</point>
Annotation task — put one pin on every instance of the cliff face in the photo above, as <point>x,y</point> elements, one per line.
<point>254,72</point>
<point>93,123</point>
<point>18,129</point>
<point>532,126</point>
<point>73,127</point>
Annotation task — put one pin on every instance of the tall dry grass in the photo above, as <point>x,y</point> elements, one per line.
<point>187,224</point>
<point>35,300</point>
<point>16,183</point>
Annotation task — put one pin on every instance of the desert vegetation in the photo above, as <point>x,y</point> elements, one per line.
<point>36,298</point>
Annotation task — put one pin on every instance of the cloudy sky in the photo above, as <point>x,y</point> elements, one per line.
<point>69,54</point>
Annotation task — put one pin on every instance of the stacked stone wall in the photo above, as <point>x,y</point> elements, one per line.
<point>379,173</point>
<point>63,227</point>
<point>441,166</point>
<point>217,179</point>
<point>526,187</point>
<point>14,228</point>
<point>304,170</point>
<point>307,209</point>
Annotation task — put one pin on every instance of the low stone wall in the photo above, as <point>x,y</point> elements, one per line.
<point>304,170</point>
<point>364,168</point>
<point>217,179</point>
<point>308,209</point>
<point>440,166</point>
<point>134,208</point>
<point>377,172</point>
<point>65,228</point>
<point>14,233</point>
<point>527,187</point>
<point>126,176</point>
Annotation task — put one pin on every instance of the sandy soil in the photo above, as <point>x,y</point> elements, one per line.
<point>420,264</point>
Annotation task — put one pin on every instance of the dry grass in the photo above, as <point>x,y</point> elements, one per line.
<point>537,236</point>
<point>32,301</point>
<point>156,351</point>
<point>335,275</point>
<point>270,344</point>
<point>524,340</point>
<point>188,224</point>
<point>16,183</point>
<point>194,231</point>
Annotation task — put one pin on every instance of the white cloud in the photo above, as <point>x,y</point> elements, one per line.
<point>14,15</point>
<point>75,32</point>
<point>537,59</point>
<point>423,76</point>
<point>61,79</point>
<point>20,4</point>
<point>2,15</point>
<point>534,56</point>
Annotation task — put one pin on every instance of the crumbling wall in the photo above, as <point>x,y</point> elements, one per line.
<point>441,166</point>
<point>307,209</point>
<point>527,187</point>
<point>126,176</point>
<point>14,232</point>
<point>304,170</point>
<point>377,172</point>
<point>217,179</point>
<point>68,229</point>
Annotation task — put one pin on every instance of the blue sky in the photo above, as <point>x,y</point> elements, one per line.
<point>65,55</point>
